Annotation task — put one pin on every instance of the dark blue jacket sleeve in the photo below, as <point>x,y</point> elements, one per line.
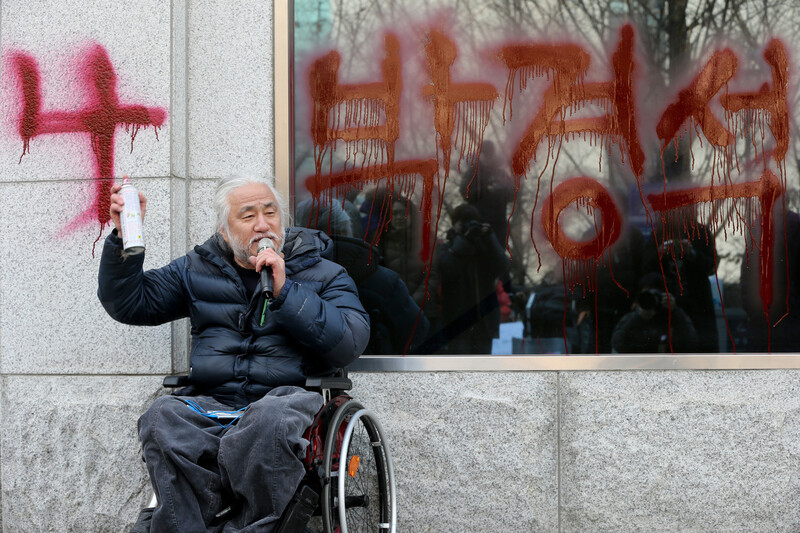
<point>134,297</point>
<point>332,323</point>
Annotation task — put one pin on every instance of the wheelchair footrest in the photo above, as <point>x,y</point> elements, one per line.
<point>299,511</point>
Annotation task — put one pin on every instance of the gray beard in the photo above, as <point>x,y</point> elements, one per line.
<point>242,251</point>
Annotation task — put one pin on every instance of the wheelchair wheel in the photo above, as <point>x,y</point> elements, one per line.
<point>360,493</point>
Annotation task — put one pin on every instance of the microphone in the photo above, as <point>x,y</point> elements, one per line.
<point>266,272</point>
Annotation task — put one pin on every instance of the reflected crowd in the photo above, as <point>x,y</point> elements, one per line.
<point>654,291</point>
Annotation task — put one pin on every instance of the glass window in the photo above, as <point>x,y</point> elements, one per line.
<point>562,177</point>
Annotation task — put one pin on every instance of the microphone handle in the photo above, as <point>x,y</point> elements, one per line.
<point>266,282</point>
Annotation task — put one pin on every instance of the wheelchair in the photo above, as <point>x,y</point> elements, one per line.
<point>349,482</point>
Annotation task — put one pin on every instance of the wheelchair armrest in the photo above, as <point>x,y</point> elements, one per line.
<point>329,383</point>
<point>180,380</point>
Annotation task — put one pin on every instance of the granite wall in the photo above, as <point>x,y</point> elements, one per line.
<point>624,451</point>
<point>517,451</point>
<point>474,451</point>
<point>72,381</point>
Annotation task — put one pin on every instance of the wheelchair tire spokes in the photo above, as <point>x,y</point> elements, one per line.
<point>362,490</point>
<point>365,497</point>
<point>358,492</point>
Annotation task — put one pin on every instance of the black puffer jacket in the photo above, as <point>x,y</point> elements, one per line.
<point>315,325</point>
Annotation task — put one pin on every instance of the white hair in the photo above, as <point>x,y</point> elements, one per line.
<point>226,185</point>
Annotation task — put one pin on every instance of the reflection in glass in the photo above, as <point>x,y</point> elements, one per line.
<point>561,178</point>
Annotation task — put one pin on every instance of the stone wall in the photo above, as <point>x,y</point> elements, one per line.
<point>73,381</point>
<point>625,451</point>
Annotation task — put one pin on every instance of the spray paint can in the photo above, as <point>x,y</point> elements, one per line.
<point>131,219</point>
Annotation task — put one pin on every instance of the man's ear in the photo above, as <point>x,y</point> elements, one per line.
<point>225,235</point>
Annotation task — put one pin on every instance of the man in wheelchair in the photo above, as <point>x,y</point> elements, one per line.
<point>251,352</point>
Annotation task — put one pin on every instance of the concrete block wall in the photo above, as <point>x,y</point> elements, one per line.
<point>521,451</point>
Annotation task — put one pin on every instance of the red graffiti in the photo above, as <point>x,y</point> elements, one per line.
<point>461,113</point>
<point>772,101</point>
<point>567,64</point>
<point>692,102</point>
<point>587,193</point>
<point>364,107</point>
<point>99,119</point>
<point>454,101</point>
<point>692,105</point>
<point>766,190</point>
<point>406,172</point>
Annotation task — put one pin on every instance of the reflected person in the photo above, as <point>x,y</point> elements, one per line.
<point>687,261</point>
<point>396,323</point>
<point>657,324</point>
<point>470,261</point>
<point>776,328</point>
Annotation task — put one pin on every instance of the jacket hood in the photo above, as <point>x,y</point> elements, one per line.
<point>299,241</point>
<point>303,247</point>
<point>217,251</point>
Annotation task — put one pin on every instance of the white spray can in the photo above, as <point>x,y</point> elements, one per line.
<point>131,219</point>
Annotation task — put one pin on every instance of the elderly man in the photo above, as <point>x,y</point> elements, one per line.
<point>248,354</point>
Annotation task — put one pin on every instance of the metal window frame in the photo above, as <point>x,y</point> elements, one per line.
<point>539,363</point>
<point>283,17</point>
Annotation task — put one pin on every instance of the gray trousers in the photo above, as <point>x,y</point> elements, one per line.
<point>197,466</point>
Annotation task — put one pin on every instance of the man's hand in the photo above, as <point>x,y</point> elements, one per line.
<point>270,258</point>
<point>475,230</point>
<point>116,206</point>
